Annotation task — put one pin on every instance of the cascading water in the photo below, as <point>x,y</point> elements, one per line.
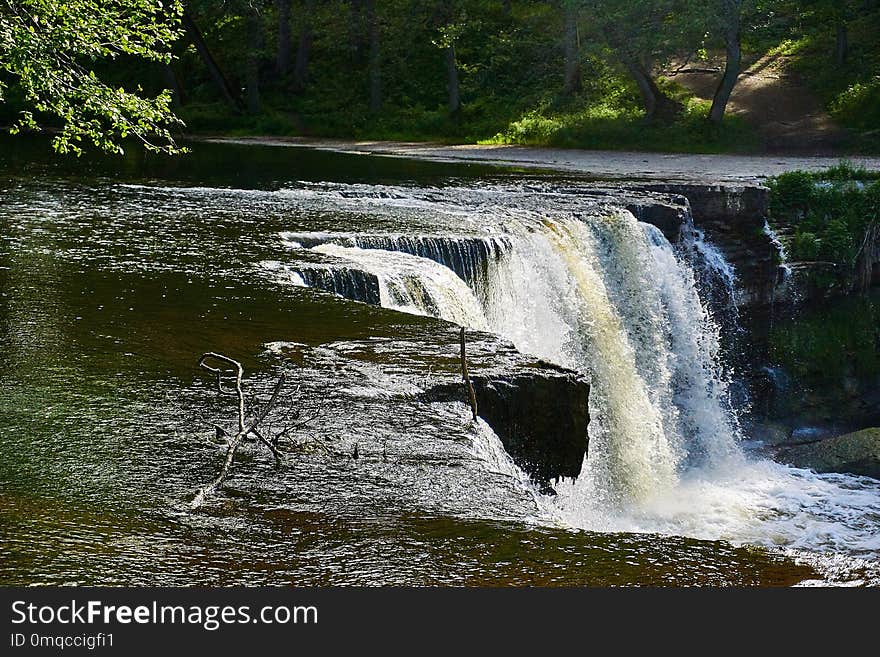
<point>609,297</point>
<point>605,294</point>
<point>784,287</point>
<point>468,257</point>
<point>415,285</point>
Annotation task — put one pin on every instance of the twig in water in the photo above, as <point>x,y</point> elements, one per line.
<point>243,428</point>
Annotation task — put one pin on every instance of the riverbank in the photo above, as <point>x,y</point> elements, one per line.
<point>600,164</point>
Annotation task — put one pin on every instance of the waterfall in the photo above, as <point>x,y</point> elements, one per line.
<point>601,293</point>
<point>784,287</point>
<point>595,290</point>
<point>606,294</point>
<point>714,275</point>
<point>349,282</point>
<point>487,447</point>
<point>468,256</point>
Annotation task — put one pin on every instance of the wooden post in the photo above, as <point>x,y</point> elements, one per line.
<point>466,377</point>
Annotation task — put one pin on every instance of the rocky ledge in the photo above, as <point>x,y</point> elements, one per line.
<point>413,384</point>
<point>733,218</point>
<point>538,410</point>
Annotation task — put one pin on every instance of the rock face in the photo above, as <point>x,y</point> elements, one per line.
<point>855,453</point>
<point>540,415</point>
<point>541,419</point>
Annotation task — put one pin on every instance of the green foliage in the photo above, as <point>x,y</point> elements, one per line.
<point>790,194</point>
<point>94,69</point>
<point>806,246</point>
<point>825,344</point>
<point>858,107</point>
<point>610,125</point>
<point>50,50</point>
<point>510,64</point>
<point>830,213</point>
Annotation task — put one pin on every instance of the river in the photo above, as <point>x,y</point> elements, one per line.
<point>115,277</point>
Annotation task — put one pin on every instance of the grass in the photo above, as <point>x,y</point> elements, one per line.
<point>605,124</point>
<point>607,127</point>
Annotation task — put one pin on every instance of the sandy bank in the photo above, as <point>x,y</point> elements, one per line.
<point>604,164</point>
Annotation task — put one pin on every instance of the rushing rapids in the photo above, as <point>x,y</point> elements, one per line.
<point>593,289</point>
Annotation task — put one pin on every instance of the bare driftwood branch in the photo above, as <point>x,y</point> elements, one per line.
<point>243,428</point>
<point>279,457</point>
<point>466,377</point>
<point>239,372</point>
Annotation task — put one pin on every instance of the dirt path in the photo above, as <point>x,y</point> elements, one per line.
<point>602,164</point>
<point>775,99</point>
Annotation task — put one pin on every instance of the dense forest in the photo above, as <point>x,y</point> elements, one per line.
<point>592,74</point>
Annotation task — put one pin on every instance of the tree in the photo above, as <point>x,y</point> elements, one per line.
<point>375,57</point>
<point>304,48</point>
<point>49,48</point>
<point>573,83</point>
<point>728,15</point>
<point>221,81</point>
<point>256,42</point>
<point>282,56</point>
<point>640,35</point>
<point>448,32</point>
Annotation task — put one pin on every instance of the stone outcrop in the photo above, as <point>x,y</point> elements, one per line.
<point>854,453</point>
<point>538,410</point>
<point>540,414</point>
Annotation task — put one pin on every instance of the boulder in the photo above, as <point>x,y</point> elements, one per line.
<point>540,413</point>
<point>854,453</point>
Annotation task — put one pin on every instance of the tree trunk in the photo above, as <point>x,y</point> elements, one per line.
<point>658,106</point>
<point>216,73</point>
<point>868,259</point>
<point>572,52</point>
<point>646,87</point>
<point>375,62</point>
<point>733,60</point>
<point>356,30</point>
<point>304,49</point>
<point>282,58</point>
<point>841,46</point>
<point>454,102</point>
<point>252,65</point>
<point>172,83</point>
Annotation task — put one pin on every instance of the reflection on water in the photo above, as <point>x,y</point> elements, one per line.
<point>250,542</point>
<point>110,288</point>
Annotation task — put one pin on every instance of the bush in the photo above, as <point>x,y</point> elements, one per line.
<point>859,106</point>
<point>791,194</point>
<point>830,212</point>
<point>838,242</point>
<point>805,246</point>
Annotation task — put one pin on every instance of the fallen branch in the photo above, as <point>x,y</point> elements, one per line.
<point>243,428</point>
